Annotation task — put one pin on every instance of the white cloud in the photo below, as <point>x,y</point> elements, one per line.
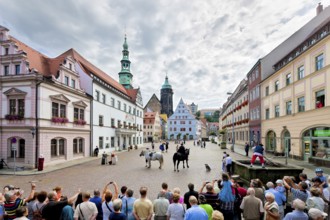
<point>206,47</point>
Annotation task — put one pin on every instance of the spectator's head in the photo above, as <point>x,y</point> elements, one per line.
<point>117,204</point>
<point>78,200</point>
<point>41,197</point>
<point>318,171</point>
<point>108,196</point>
<point>164,186</point>
<point>251,191</point>
<point>129,192</point>
<point>86,196</point>
<point>191,186</point>
<point>58,189</point>
<point>10,196</point>
<point>316,214</point>
<point>254,183</point>
<point>192,200</point>
<point>52,196</point>
<point>279,182</point>
<point>143,191</point>
<point>123,189</point>
<point>298,204</point>
<point>209,187</point>
<point>225,177</point>
<point>217,215</point>
<point>162,193</point>
<point>315,192</point>
<point>21,211</point>
<point>177,190</point>
<point>201,199</point>
<point>176,197</point>
<point>270,197</point>
<point>270,185</point>
<point>316,181</point>
<point>97,192</point>
<point>303,176</point>
<point>303,185</point>
<point>259,182</point>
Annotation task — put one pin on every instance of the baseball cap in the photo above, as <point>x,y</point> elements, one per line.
<point>279,181</point>
<point>316,213</point>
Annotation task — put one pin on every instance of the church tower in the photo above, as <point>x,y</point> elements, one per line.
<point>125,75</point>
<point>166,98</point>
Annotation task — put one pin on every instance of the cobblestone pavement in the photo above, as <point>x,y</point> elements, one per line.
<point>130,171</point>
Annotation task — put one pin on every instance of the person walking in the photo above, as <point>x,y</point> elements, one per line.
<point>228,162</point>
<point>247,148</point>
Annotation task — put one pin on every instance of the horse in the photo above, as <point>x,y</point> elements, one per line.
<point>152,156</point>
<point>177,158</point>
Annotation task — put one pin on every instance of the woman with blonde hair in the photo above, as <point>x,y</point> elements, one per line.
<point>175,210</point>
<point>217,215</point>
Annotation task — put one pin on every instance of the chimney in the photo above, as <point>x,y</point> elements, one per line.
<point>319,9</point>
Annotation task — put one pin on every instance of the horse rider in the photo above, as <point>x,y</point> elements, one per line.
<point>182,150</point>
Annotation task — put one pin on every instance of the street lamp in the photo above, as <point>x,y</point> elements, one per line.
<point>233,129</point>
<point>33,131</point>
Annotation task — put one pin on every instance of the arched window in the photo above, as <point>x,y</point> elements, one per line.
<point>271,141</point>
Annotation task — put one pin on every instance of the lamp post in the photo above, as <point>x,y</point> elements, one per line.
<point>233,129</point>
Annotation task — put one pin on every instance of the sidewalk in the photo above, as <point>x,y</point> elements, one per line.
<point>309,168</point>
<point>53,167</point>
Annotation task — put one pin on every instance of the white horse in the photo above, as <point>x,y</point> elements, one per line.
<point>152,156</point>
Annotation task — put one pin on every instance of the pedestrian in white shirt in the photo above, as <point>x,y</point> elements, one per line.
<point>229,162</point>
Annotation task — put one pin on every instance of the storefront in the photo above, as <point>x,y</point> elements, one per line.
<point>316,145</point>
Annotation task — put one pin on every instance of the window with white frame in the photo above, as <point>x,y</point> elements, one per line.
<point>267,91</point>
<point>301,104</point>
<point>277,85</point>
<point>57,147</point>
<point>78,146</point>
<point>112,102</point>
<point>101,142</point>
<point>73,83</point>
<point>320,98</point>
<point>78,113</point>
<point>100,120</point>
<point>17,69</point>
<point>277,111</point>
<point>301,72</point>
<point>125,107</point>
<point>16,107</point>
<point>288,107</point>
<point>58,110</point>
<point>103,98</point>
<point>97,95</point>
<point>66,80</point>
<point>119,105</point>
<point>319,62</point>
<point>288,79</point>
<point>6,70</point>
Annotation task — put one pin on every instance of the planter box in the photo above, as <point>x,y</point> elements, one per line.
<point>223,145</point>
<point>272,172</point>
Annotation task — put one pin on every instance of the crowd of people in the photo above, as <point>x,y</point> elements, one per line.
<point>226,198</point>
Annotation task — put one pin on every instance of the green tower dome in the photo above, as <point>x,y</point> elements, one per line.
<point>166,85</point>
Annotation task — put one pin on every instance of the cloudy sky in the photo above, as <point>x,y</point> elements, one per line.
<point>205,46</point>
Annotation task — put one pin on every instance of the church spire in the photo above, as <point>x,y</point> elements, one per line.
<point>125,75</point>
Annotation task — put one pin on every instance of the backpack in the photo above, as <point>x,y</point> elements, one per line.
<point>37,214</point>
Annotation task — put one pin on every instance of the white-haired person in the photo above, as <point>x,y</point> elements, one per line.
<point>271,207</point>
<point>315,214</point>
<point>117,215</point>
<point>298,212</point>
<point>315,201</point>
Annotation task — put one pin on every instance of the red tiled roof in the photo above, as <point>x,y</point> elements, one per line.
<point>49,66</point>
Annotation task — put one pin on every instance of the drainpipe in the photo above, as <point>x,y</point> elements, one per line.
<point>91,142</point>
<point>37,151</point>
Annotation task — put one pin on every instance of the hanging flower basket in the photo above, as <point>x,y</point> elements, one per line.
<point>79,122</point>
<point>14,117</point>
<point>60,120</point>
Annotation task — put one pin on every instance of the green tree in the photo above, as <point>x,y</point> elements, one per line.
<point>198,115</point>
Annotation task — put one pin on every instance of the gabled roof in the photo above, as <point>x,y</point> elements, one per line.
<point>151,98</point>
<point>49,66</point>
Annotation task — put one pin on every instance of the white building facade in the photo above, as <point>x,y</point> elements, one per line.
<point>182,124</point>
